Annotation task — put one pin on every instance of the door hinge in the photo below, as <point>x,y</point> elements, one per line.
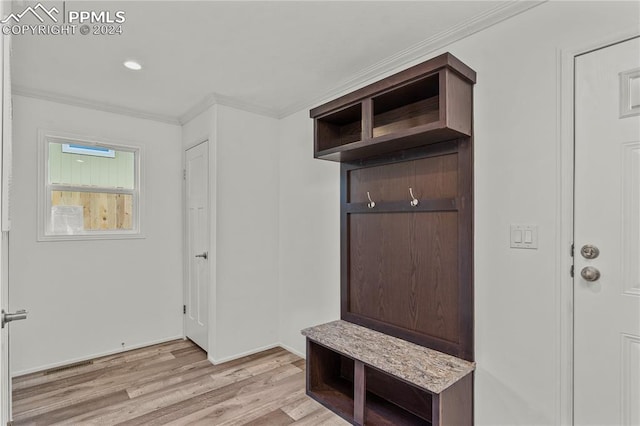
<point>184,174</point>
<point>571,272</point>
<point>572,250</point>
<point>184,309</point>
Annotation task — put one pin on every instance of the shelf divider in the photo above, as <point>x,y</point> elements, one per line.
<point>360,386</point>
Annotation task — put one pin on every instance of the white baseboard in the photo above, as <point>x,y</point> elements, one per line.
<point>242,354</point>
<point>151,343</point>
<point>254,351</point>
<point>293,351</point>
<point>94,356</point>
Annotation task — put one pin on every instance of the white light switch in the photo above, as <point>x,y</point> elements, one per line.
<point>524,236</point>
<point>517,236</point>
<point>528,236</point>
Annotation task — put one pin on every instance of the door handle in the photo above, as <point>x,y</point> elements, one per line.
<point>589,273</point>
<point>18,315</point>
<point>204,255</point>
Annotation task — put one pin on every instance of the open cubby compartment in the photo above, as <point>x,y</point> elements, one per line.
<point>405,107</point>
<point>394,402</point>
<point>330,379</point>
<point>339,128</point>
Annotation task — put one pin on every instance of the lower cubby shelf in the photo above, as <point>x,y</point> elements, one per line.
<point>388,401</point>
<point>380,411</point>
<point>330,380</point>
<point>369,378</point>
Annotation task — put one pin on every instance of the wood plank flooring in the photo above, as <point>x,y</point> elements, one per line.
<point>172,383</point>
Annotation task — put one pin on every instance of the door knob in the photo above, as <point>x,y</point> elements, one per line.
<point>18,315</point>
<point>204,255</point>
<point>589,273</point>
<point>589,251</point>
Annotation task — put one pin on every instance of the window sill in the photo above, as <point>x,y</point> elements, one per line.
<point>92,237</point>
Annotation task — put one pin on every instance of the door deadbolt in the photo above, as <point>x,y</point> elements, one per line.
<point>589,251</point>
<point>589,273</point>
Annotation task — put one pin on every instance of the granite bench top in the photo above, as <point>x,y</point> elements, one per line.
<point>423,367</point>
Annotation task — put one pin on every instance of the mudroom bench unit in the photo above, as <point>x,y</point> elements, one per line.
<point>368,377</point>
<point>403,351</point>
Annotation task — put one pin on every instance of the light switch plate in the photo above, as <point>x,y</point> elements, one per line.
<point>524,236</point>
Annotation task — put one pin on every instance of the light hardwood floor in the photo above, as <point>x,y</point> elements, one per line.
<point>172,383</point>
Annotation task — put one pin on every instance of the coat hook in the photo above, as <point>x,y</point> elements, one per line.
<point>371,204</point>
<point>414,200</point>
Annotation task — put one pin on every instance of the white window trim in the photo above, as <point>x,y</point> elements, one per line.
<point>45,188</point>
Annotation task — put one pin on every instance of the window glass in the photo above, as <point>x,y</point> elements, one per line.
<point>88,166</point>
<point>90,190</point>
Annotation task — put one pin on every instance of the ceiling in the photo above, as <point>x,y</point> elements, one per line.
<point>270,57</point>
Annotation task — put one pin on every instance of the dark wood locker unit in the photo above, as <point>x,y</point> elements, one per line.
<point>405,144</point>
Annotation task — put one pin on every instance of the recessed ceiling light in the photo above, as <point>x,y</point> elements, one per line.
<point>133,65</point>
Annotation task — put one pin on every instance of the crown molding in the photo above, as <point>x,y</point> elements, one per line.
<point>218,99</point>
<point>417,52</point>
<point>404,58</point>
<point>91,104</point>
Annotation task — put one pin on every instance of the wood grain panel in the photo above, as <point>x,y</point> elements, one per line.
<point>454,406</point>
<point>404,270</point>
<point>384,183</point>
<point>415,114</point>
<point>430,178</point>
<point>459,104</point>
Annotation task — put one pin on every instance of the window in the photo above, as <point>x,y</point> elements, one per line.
<point>88,189</point>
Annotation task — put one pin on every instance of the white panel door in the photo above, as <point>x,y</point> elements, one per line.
<point>607,217</point>
<point>197,203</point>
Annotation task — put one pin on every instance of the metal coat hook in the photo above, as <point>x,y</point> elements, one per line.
<point>371,204</point>
<point>414,200</point>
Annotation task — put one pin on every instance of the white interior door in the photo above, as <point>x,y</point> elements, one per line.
<point>607,218</point>
<point>197,201</point>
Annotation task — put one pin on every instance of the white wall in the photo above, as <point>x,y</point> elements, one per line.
<point>87,297</point>
<point>309,233</point>
<point>244,181</point>
<point>516,181</point>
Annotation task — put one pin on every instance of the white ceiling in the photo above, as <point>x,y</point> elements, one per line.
<point>273,57</point>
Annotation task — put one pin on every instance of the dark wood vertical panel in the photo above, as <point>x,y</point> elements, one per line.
<point>443,95</point>
<point>359,393</point>
<point>436,177</point>
<point>344,240</point>
<point>403,271</point>
<point>455,404</point>
<point>367,119</point>
<point>435,410</point>
<point>465,242</point>
<point>459,106</point>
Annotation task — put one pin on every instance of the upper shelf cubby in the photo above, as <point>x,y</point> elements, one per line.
<point>339,128</point>
<point>427,103</point>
